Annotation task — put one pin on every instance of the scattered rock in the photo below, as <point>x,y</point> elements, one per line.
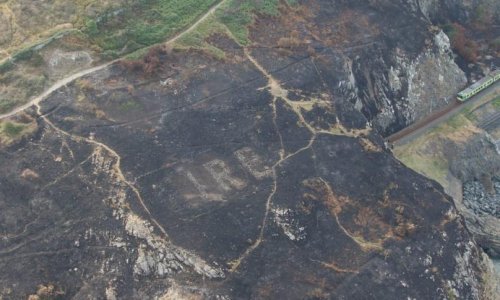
<point>30,175</point>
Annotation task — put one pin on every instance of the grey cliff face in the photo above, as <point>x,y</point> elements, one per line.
<point>399,88</point>
<point>457,10</point>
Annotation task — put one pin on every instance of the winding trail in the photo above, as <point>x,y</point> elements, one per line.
<point>160,242</point>
<point>116,166</point>
<point>185,257</point>
<point>62,82</point>
<point>57,85</point>
<point>279,93</point>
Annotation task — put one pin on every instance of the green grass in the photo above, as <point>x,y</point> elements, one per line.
<point>197,38</point>
<point>12,130</point>
<point>7,104</point>
<point>144,23</point>
<point>148,22</point>
<point>6,66</point>
<point>130,105</point>
<point>233,19</point>
<point>128,31</point>
<point>432,166</point>
<point>457,121</point>
<point>238,15</point>
<point>450,30</point>
<point>496,102</point>
<point>468,112</point>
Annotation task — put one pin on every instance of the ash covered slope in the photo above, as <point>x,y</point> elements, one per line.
<point>255,176</point>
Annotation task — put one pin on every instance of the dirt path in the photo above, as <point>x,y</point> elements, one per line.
<point>279,93</point>
<point>156,234</point>
<point>195,24</point>
<point>60,83</point>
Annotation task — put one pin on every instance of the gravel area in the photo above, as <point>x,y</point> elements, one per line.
<point>481,202</point>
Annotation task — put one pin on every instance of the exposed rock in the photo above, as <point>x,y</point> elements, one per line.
<point>412,88</point>
<point>474,158</point>
<point>481,201</point>
<point>456,10</point>
<point>29,174</point>
<point>62,63</point>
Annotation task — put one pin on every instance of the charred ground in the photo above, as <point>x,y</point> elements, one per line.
<point>255,175</point>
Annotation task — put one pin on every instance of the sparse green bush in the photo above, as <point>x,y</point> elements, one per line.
<point>465,47</point>
<point>495,44</point>
<point>6,105</point>
<point>12,130</point>
<point>130,105</point>
<point>482,17</point>
<point>6,66</point>
<point>34,85</point>
<point>143,23</point>
<point>238,15</point>
<point>24,54</point>
<point>91,28</point>
<point>36,60</point>
<point>496,102</point>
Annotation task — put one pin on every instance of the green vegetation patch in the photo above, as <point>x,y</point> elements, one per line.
<point>197,38</point>
<point>456,122</point>
<point>233,19</point>
<point>238,15</point>
<point>496,102</point>
<point>127,28</point>
<point>495,44</point>
<point>130,105</point>
<point>12,129</point>
<point>143,23</point>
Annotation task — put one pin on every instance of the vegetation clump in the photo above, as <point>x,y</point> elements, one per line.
<point>150,63</point>
<point>12,130</point>
<point>238,15</point>
<point>496,102</point>
<point>465,47</point>
<point>142,23</point>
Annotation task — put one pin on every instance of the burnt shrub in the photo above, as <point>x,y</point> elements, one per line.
<point>465,47</point>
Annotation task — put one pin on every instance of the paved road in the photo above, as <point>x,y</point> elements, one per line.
<point>60,83</point>
<point>415,130</point>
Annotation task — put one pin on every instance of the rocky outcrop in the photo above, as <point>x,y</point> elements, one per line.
<point>398,89</point>
<point>401,86</point>
<point>476,163</point>
<point>474,158</point>
<point>461,11</point>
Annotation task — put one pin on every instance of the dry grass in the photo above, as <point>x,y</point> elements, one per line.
<point>426,154</point>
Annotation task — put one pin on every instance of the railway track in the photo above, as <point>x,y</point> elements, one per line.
<point>447,112</point>
<point>422,123</point>
<point>491,122</point>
